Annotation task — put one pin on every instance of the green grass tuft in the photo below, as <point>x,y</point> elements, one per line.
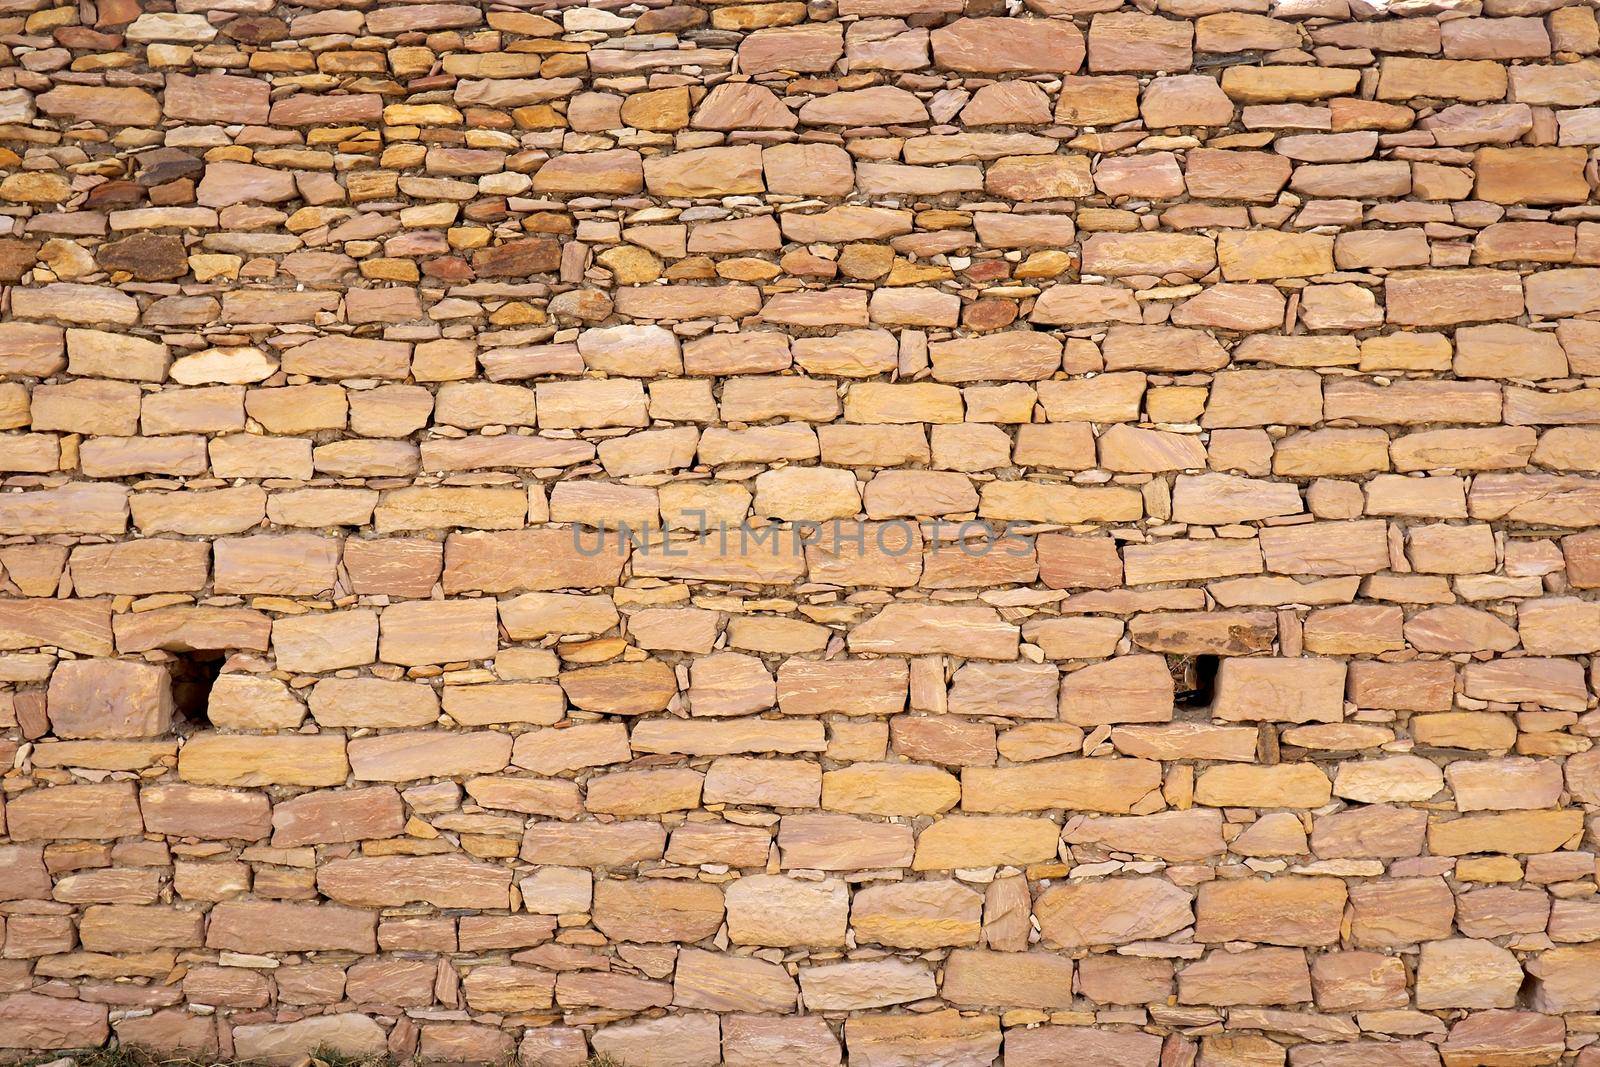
<point>323,1056</point>
<point>115,1056</point>
<point>130,1056</point>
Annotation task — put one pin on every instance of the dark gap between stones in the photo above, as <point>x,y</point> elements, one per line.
<point>193,675</point>
<point>1195,678</point>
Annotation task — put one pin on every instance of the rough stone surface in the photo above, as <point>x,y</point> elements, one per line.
<point>887,532</point>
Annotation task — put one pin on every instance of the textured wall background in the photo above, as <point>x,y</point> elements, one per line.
<point>1269,337</point>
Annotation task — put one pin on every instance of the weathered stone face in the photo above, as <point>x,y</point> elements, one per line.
<point>892,532</point>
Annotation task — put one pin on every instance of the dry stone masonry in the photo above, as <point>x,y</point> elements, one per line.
<point>909,533</point>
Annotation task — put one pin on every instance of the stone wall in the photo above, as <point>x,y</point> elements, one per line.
<point>1150,454</point>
